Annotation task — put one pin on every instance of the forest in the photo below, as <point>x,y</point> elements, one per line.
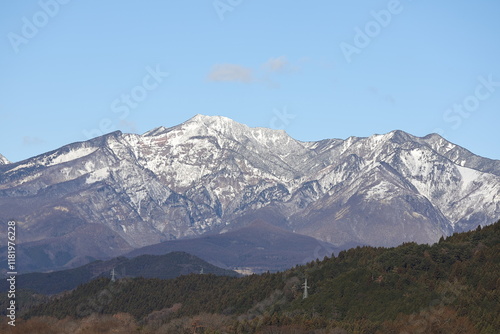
<point>449,287</point>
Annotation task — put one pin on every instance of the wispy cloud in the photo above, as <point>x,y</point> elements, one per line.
<point>263,74</point>
<point>279,64</point>
<point>230,73</point>
<point>129,126</point>
<point>29,141</point>
<point>388,98</point>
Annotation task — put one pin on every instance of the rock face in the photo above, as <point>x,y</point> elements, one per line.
<point>115,193</point>
<point>3,160</point>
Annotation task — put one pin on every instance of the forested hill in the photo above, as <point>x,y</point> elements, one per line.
<point>450,287</point>
<point>163,266</point>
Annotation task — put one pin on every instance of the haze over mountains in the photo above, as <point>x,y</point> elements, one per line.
<point>255,248</point>
<point>110,195</point>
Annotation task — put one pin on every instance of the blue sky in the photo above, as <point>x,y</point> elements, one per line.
<point>71,70</point>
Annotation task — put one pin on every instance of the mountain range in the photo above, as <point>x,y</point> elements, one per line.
<point>210,175</point>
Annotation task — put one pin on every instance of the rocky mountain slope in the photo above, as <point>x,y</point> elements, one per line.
<point>3,160</point>
<point>112,194</point>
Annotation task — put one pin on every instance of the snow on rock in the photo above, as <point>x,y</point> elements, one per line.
<point>58,158</point>
<point>97,175</point>
<point>3,160</point>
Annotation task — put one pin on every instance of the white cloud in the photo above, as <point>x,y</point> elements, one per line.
<point>230,73</point>
<point>129,126</point>
<point>265,74</point>
<point>27,140</point>
<point>279,64</point>
<point>388,98</point>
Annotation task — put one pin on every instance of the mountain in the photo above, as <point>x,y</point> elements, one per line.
<point>112,194</point>
<point>256,248</point>
<point>165,266</point>
<point>3,160</point>
<point>449,287</point>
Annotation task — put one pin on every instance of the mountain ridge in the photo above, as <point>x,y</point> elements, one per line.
<point>165,266</point>
<point>4,160</point>
<point>211,174</point>
<point>255,248</point>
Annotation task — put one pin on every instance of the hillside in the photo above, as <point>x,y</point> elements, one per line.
<point>165,266</point>
<point>257,247</point>
<point>449,287</point>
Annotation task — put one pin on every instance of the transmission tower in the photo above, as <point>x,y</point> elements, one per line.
<point>305,287</point>
<point>113,275</point>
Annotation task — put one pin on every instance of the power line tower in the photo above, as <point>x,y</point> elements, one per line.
<point>305,287</point>
<point>113,279</point>
<point>201,271</point>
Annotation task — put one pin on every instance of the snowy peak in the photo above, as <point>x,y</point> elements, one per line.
<point>217,121</point>
<point>155,132</point>
<point>204,146</point>
<point>399,136</point>
<point>3,160</point>
<point>230,129</point>
<point>459,155</point>
<point>221,127</point>
<point>67,153</point>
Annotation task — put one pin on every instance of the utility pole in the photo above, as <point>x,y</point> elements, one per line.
<point>305,287</point>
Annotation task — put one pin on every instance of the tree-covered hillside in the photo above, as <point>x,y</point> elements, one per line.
<point>165,266</point>
<point>450,287</point>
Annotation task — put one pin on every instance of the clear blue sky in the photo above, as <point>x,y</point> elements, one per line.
<point>336,68</point>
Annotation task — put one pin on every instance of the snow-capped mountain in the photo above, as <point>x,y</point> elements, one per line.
<point>119,192</point>
<point>3,160</point>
